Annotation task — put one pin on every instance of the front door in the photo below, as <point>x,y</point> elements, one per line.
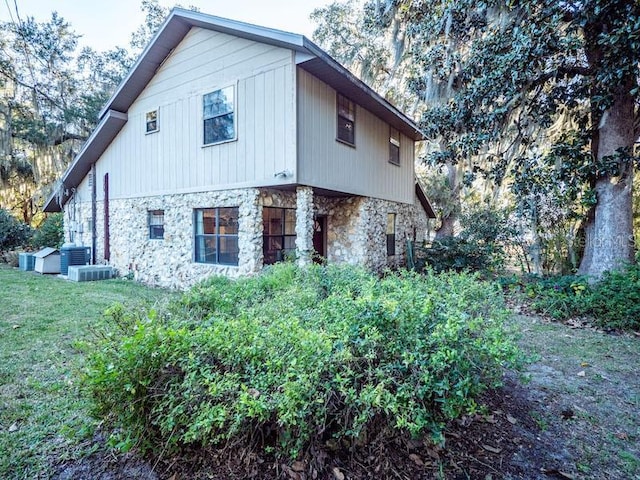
<point>320,238</point>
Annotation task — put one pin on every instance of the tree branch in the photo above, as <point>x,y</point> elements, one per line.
<point>561,71</point>
<point>67,136</point>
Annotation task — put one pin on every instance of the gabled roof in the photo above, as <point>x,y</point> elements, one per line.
<point>310,57</point>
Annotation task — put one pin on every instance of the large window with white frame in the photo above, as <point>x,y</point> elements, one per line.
<point>218,116</point>
<point>216,235</point>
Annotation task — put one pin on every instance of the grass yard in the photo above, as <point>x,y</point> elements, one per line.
<point>576,417</point>
<point>42,412</point>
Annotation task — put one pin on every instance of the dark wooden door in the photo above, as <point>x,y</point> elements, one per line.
<point>320,238</point>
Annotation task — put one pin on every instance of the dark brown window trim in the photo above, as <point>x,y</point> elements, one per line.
<point>394,135</point>
<point>350,117</point>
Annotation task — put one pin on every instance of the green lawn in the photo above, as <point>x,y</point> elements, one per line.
<point>43,415</point>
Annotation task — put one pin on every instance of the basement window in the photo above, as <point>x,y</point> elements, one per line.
<point>156,224</point>
<point>151,119</point>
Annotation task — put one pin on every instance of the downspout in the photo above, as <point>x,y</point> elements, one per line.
<point>107,243</point>
<point>94,216</point>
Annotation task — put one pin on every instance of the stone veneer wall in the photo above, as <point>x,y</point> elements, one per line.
<point>169,262</point>
<point>356,231</point>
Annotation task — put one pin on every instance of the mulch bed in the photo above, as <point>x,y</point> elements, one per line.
<point>503,443</point>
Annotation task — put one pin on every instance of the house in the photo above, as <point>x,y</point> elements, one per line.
<point>229,146</point>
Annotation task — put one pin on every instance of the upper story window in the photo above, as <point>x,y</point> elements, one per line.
<point>156,224</point>
<point>151,119</point>
<point>218,110</point>
<point>346,110</point>
<point>216,235</point>
<point>394,146</point>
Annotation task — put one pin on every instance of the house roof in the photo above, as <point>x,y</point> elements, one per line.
<point>309,56</point>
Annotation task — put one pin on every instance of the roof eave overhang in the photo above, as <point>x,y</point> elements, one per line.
<point>170,34</point>
<point>424,200</point>
<point>109,126</point>
<point>323,66</point>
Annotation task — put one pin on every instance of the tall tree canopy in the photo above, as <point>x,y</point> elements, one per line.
<point>50,95</point>
<point>541,93</point>
<point>49,101</point>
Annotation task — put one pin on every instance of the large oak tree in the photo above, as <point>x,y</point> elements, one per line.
<point>550,82</point>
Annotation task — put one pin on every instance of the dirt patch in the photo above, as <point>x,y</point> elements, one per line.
<point>573,415</point>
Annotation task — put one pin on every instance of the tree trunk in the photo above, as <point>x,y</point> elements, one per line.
<point>448,222</point>
<point>446,228</point>
<point>609,232</point>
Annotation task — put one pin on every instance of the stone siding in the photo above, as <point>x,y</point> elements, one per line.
<point>356,232</point>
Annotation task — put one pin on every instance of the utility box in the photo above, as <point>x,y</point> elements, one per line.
<point>89,273</point>
<point>47,260</point>
<point>73,256</point>
<point>26,262</point>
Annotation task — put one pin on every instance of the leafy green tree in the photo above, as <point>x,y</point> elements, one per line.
<point>50,97</point>
<point>507,90</point>
<point>13,232</point>
<point>49,101</point>
<point>50,233</point>
<point>518,69</point>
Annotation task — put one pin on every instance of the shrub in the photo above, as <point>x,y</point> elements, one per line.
<point>615,300</point>
<point>478,248</point>
<point>13,232</point>
<point>293,358</point>
<point>457,254</point>
<point>560,297</point>
<point>50,233</point>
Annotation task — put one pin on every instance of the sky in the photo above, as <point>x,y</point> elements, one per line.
<point>106,24</point>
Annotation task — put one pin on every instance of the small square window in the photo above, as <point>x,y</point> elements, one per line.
<point>346,118</point>
<point>394,146</point>
<point>219,121</point>
<point>151,119</point>
<point>156,224</point>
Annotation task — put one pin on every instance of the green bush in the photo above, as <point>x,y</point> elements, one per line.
<point>13,232</point>
<point>478,248</point>
<point>613,302</point>
<point>560,297</point>
<point>457,254</point>
<point>50,233</point>
<point>297,357</point>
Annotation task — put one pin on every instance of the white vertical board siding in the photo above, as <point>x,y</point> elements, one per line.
<point>174,159</point>
<point>326,163</point>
